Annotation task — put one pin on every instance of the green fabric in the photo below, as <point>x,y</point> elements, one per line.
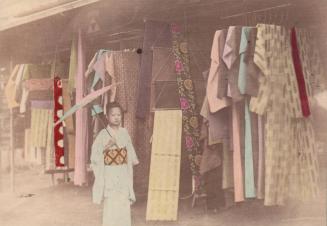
<point>249,174</point>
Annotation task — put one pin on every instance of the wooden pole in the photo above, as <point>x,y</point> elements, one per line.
<point>12,151</point>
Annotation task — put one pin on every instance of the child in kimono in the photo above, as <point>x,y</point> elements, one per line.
<point>112,160</point>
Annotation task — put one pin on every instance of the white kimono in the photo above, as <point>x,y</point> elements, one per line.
<point>113,183</point>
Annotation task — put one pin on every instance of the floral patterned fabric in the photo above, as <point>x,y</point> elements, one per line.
<point>191,131</point>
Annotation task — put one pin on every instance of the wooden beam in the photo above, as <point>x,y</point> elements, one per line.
<point>10,23</point>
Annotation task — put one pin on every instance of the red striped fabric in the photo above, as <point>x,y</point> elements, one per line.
<point>299,75</point>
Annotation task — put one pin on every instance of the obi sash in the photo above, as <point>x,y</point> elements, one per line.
<point>113,157</point>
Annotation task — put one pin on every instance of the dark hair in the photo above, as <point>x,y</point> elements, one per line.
<point>115,105</point>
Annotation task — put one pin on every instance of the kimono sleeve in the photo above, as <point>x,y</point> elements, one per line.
<point>97,150</point>
<point>131,151</point>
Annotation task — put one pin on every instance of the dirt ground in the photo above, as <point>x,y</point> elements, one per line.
<point>37,203</point>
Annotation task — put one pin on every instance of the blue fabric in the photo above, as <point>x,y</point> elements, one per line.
<point>97,76</point>
<point>96,109</point>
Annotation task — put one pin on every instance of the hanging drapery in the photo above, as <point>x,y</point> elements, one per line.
<point>72,65</point>
<point>69,124</point>
<point>289,141</point>
<point>231,59</point>
<point>58,130</point>
<point>261,158</point>
<point>39,84</point>
<point>81,140</point>
<point>10,88</point>
<point>191,129</point>
<point>248,80</point>
<point>165,166</point>
<point>156,34</point>
<point>299,75</point>
<point>39,127</point>
<point>217,78</point>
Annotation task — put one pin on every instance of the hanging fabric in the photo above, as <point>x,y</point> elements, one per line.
<point>248,79</point>
<point>217,79</point>
<point>279,99</point>
<point>39,84</point>
<point>261,158</point>
<point>72,65</point>
<point>232,61</point>
<point>10,88</point>
<point>299,75</point>
<point>39,127</point>
<point>249,73</point>
<point>165,166</point>
<point>37,71</point>
<point>249,171</point>
<point>69,124</point>
<point>81,138</point>
<point>211,170</point>
<point>156,34</point>
<point>58,129</point>
<point>191,128</point>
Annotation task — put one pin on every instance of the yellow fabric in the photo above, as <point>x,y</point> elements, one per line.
<point>291,168</point>
<point>10,89</point>
<point>72,65</point>
<point>39,127</point>
<point>165,166</point>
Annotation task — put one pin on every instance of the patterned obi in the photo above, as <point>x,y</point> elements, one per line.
<point>113,157</point>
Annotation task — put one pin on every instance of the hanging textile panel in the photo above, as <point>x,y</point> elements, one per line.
<point>69,123</point>
<point>283,132</point>
<point>127,70</point>
<point>311,63</point>
<point>304,176</point>
<point>299,74</point>
<point>39,127</point>
<point>164,90</point>
<point>81,139</point>
<point>59,128</point>
<point>165,166</point>
<point>39,84</point>
<point>10,88</point>
<point>272,61</point>
<point>156,34</point>
<point>191,130</point>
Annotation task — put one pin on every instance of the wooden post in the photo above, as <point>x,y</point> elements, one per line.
<point>12,148</point>
<point>12,153</point>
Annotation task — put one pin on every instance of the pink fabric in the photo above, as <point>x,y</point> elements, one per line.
<point>230,53</point>
<point>215,103</point>
<point>237,160</point>
<point>81,141</point>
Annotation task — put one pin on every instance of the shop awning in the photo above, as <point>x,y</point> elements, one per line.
<point>16,12</point>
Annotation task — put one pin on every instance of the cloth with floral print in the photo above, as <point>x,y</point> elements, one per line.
<point>191,130</point>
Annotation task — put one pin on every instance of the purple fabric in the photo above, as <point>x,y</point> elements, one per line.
<point>157,34</point>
